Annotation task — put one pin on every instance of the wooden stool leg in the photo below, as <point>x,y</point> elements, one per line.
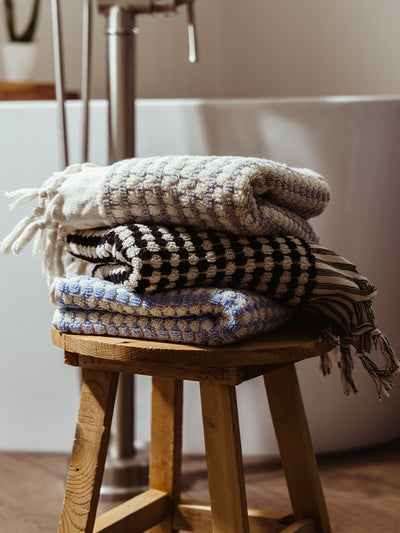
<point>89,452</point>
<point>295,446</point>
<point>224,458</point>
<point>166,442</point>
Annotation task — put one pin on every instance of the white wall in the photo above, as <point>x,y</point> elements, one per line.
<point>249,48</point>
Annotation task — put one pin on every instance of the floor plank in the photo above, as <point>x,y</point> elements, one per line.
<point>362,489</point>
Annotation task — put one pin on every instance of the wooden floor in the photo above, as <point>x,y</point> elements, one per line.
<point>362,489</point>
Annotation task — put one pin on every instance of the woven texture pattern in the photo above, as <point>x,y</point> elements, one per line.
<point>155,258</point>
<point>246,196</point>
<point>202,316</point>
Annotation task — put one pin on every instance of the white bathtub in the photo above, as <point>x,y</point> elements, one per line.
<point>352,141</point>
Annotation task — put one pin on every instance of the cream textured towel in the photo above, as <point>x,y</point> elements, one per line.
<point>247,196</point>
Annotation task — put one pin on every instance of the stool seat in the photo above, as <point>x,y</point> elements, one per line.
<point>192,362</point>
<point>218,369</point>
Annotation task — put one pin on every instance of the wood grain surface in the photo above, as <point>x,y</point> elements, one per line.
<point>362,489</point>
<point>284,345</point>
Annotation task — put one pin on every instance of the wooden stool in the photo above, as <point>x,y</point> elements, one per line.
<point>219,370</point>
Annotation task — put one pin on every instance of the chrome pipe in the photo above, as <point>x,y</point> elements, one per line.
<point>59,77</point>
<point>126,470</point>
<point>121,89</point>
<point>86,74</point>
<point>121,110</point>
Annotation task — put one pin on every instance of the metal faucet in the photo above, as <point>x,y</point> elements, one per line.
<point>126,467</point>
<point>120,30</point>
<point>121,41</point>
<point>153,6</point>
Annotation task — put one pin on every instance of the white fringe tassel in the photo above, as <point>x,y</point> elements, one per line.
<point>40,224</point>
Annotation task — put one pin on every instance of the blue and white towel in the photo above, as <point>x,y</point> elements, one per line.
<point>207,316</point>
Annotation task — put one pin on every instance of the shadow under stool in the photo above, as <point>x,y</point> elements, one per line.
<point>218,370</point>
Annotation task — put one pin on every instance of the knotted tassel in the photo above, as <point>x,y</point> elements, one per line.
<point>344,297</point>
<point>26,236</point>
<point>41,224</point>
<point>22,196</point>
<point>40,241</point>
<point>50,251</point>
<point>6,245</point>
<point>59,268</point>
<point>380,377</point>
<point>346,365</point>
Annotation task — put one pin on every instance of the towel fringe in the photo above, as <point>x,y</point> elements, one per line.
<point>346,365</point>
<point>325,364</point>
<point>7,243</point>
<point>26,236</point>
<point>53,260</point>
<point>381,377</point>
<point>39,224</point>
<point>59,253</point>
<point>21,196</point>
<point>344,298</point>
<point>39,244</point>
<point>370,340</point>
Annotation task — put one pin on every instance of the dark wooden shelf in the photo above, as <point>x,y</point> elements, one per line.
<point>30,91</point>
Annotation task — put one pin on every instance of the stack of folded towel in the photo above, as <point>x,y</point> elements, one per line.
<point>193,249</point>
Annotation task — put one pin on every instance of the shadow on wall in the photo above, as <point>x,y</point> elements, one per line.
<point>353,143</point>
